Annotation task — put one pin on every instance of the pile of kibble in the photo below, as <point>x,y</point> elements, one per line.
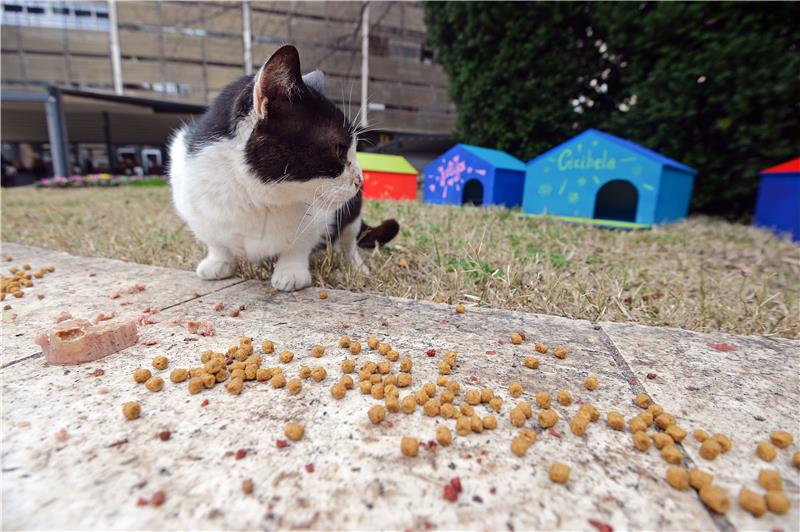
<point>653,426</point>
<point>19,278</point>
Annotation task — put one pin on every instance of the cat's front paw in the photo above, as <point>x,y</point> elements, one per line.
<point>210,269</point>
<point>288,279</point>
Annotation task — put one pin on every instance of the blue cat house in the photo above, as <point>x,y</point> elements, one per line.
<point>467,174</point>
<point>778,203</point>
<point>607,180</point>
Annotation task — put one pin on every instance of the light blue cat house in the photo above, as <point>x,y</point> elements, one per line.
<point>609,180</point>
<point>473,175</point>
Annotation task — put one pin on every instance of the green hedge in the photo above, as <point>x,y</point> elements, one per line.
<point>713,85</point>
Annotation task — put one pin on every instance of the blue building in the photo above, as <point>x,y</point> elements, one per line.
<point>598,176</point>
<point>473,175</point>
<point>778,203</point>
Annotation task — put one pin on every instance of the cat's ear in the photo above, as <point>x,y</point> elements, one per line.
<point>277,78</point>
<point>315,80</point>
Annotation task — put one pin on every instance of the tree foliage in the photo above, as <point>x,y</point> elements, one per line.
<point>713,85</point>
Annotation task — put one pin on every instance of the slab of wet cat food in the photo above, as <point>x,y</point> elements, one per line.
<point>75,341</point>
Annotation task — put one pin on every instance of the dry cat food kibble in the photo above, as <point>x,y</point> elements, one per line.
<point>195,385</point>
<point>591,411</point>
<point>489,422</point>
<point>338,391</point>
<point>473,397</point>
<point>520,446</point>
<point>710,449</point>
<point>294,431</point>
<point>463,425</point>
<point>384,348</point>
<point>319,374</point>
<point>154,384</point>
<point>781,439</point>
<point>268,347</point>
<point>516,338</point>
<point>448,411</point>
<point>405,365</point>
<point>373,343</point>
<point>547,418</point>
<point>444,436</point>
<point>700,435</point>
<point>347,382</point>
<point>616,421</point>
<point>235,386</point>
<point>376,414</point>
<point>664,420</point>
<point>178,375</point>
<point>591,383</point>
<point>777,502</point>
<point>564,398</point>
<point>766,451</point>
<point>796,460</point>
<point>543,399</point>
<point>515,389</point>
<point>641,441</point>
<point>466,409</point>
<point>393,356</point>
<point>286,357</point>
<point>131,410</point>
<point>432,407</point>
<point>643,401</point>
<point>365,387</point>
<point>698,479</point>
<point>278,380</point>
<point>355,348</point>
<point>559,473</point>
<point>678,477</point>
<point>723,441</point>
<point>532,362</point>
<point>496,403</point>
<point>404,380</point>
<point>294,386</point>
<point>661,440</point>
<point>377,391</point>
<point>160,362</point>
<point>526,408</point>
<point>517,417</point>
<point>460,309</point>
<point>637,424</point>
<point>676,433</point>
<point>141,375</point>
<point>408,404</point>
<point>579,425</point>
<point>715,498</point>
<point>560,352</point>
<point>348,366</point>
<point>344,341</point>
<point>752,502</point>
<point>671,455</point>
<point>317,351</point>
<point>770,479</point>
<point>409,446</point>
<point>323,294</point>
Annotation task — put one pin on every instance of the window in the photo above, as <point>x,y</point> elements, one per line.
<point>82,13</point>
<point>61,11</point>
<point>102,15</point>
<point>11,8</point>
<point>36,10</point>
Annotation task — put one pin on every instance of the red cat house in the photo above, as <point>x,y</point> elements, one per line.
<point>388,176</point>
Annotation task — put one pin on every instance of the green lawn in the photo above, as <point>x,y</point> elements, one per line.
<point>703,274</point>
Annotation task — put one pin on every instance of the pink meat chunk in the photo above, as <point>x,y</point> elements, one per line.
<point>203,328</point>
<point>77,341</point>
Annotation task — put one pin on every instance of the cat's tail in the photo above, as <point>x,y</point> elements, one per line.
<point>369,237</point>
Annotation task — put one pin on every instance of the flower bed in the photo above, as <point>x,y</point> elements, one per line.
<point>101,180</point>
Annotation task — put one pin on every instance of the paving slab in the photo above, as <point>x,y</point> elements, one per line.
<point>82,286</point>
<point>742,386</point>
<point>62,427</point>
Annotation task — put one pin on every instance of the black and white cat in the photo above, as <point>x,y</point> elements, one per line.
<point>270,170</point>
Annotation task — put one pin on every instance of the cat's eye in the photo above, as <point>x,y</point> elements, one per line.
<point>341,151</point>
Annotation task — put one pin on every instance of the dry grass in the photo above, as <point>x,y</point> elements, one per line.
<point>703,274</point>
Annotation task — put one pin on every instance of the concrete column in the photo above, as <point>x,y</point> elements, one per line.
<point>247,38</point>
<point>57,132</point>
<point>116,59</point>
<point>364,64</point>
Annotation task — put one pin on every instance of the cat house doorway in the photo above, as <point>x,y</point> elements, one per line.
<point>616,200</point>
<point>473,193</point>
